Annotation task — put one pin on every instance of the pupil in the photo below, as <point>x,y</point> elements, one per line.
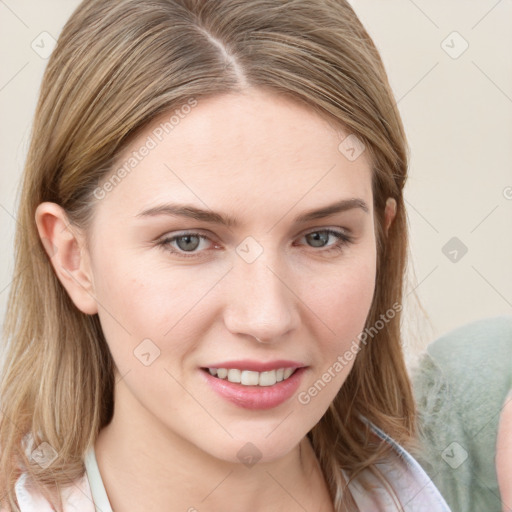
<point>318,239</point>
<point>188,246</point>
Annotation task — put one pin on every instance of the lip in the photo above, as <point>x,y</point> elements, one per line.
<point>256,366</point>
<point>256,397</point>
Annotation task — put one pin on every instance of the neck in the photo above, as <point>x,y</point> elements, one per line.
<point>159,470</point>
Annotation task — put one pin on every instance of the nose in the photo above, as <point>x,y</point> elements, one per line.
<point>260,301</point>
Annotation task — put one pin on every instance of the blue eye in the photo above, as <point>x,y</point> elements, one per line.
<point>320,238</point>
<point>185,244</point>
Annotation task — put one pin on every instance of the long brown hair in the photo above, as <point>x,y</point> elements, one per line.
<point>117,66</point>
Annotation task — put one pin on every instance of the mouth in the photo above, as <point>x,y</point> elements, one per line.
<point>251,377</point>
<point>254,385</point>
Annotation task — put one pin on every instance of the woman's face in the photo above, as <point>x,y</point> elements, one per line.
<point>236,177</point>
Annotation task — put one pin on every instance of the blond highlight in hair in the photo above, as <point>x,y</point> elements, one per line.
<point>117,66</point>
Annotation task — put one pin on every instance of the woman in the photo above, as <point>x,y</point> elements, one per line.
<point>211,246</point>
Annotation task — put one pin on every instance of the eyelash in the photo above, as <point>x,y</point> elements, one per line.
<point>343,241</point>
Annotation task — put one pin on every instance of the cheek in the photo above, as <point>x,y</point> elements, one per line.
<point>129,303</point>
<point>341,301</point>
<point>342,298</point>
<point>131,288</point>
<point>142,300</point>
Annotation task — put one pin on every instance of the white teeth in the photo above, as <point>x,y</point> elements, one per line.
<point>251,378</point>
<point>268,378</point>
<point>287,372</point>
<point>222,373</point>
<point>234,375</point>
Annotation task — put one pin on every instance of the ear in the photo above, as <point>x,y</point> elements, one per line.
<point>504,451</point>
<point>68,255</point>
<point>389,212</point>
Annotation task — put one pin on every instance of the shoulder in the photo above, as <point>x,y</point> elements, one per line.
<point>465,375</point>
<point>460,385</point>
<point>484,344</point>
<point>75,496</point>
<point>404,484</point>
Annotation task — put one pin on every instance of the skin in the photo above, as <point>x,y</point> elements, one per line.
<point>504,455</point>
<point>173,442</point>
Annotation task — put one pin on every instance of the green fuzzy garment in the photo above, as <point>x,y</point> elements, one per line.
<point>460,386</point>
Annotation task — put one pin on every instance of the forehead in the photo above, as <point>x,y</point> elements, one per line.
<point>246,150</point>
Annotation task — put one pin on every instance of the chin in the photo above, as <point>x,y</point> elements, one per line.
<point>269,441</point>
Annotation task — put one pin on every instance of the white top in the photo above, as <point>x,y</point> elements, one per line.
<point>413,488</point>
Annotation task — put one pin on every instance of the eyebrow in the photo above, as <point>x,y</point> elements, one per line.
<point>192,212</point>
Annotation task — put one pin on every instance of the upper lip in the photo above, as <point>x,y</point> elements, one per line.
<point>256,366</point>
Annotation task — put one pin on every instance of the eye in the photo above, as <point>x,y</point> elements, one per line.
<point>320,238</point>
<point>185,243</point>
<point>188,245</point>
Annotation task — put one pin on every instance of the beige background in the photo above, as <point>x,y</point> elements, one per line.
<point>457,110</point>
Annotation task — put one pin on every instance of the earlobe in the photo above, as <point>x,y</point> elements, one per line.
<point>389,213</point>
<point>67,254</point>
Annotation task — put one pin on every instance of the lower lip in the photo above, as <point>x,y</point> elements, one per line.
<point>256,397</point>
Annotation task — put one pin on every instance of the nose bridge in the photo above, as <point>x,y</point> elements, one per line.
<point>259,303</point>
